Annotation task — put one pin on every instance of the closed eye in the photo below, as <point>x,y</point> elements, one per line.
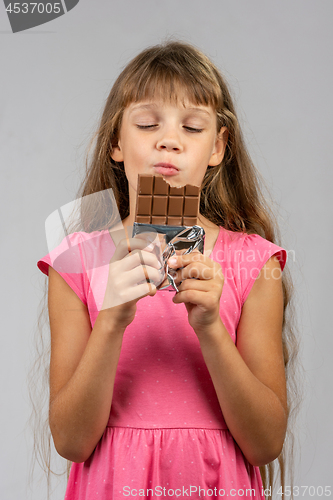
<point>146,126</point>
<point>189,129</point>
<point>192,129</point>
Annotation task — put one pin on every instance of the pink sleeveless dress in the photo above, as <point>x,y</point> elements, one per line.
<point>166,435</point>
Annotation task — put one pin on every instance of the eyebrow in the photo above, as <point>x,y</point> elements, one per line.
<point>198,110</point>
<point>151,106</point>
<point>144,106</point>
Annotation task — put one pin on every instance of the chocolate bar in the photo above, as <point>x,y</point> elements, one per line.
<point>159,203</point>
<point>172,213</point>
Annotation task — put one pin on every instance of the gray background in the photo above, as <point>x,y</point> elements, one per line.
<point>277,57</point>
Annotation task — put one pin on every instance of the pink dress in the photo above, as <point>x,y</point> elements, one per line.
<point>166,434</point>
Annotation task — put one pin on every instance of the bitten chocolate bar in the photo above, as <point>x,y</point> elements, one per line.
<point>159,203</point>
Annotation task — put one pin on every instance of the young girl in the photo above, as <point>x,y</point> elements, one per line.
<point>162,393</point>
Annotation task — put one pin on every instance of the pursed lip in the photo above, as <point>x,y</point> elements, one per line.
<point>166,165</point>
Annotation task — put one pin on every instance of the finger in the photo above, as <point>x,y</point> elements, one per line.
<point>143,241</point>
<point>153,244</point>
<point>197,270</point>
<point>128,245</point>
<point>141,257</point>
<point>145,269</point>
<point>199,285</point>
<point>127,240</point>
<point>150,237</point>
<point>129,295</point>
<point>123,283</point>
<point>196,297</point>
<point>178,261</point>
<point>124,275</point>
<point>122,249</point>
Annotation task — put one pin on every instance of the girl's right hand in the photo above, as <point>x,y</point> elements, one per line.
<point>133,262</point>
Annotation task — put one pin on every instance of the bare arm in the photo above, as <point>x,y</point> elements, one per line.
<point>249,379</point>
<point>84,360</point>
<point>82,371</point>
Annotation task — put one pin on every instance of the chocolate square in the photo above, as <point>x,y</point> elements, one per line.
<point>159,203</point>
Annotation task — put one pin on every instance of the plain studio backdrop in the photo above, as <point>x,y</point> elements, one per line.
<point>277,57</point>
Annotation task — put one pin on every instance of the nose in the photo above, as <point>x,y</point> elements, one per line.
<point>169,141</point>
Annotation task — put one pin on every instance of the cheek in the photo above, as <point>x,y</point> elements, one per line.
<point>202,156</point>
<point>135,159</point>
<point>135,150</point>
<point>204,149</point>
<point>198,175</point>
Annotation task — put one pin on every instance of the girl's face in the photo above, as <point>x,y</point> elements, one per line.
<point>174,141</point>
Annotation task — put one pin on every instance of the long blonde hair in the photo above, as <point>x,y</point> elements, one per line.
<point>231,193</point>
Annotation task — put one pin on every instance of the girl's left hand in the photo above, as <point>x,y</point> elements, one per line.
<point>201,295</point>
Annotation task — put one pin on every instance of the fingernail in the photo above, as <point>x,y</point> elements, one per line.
<point>172,261</point>
<point>151,246</point>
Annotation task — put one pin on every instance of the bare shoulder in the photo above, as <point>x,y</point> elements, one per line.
<point>259,332</point>
<point>70,330</point>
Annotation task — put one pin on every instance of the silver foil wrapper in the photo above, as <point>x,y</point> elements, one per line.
<point>172,240</point>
